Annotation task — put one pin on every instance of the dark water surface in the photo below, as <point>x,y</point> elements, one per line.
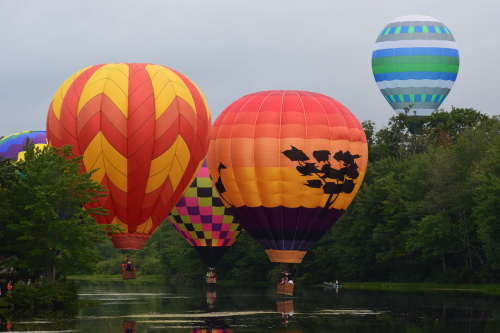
<point>152,307</point>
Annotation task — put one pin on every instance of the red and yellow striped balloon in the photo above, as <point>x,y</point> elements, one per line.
<point>146,128</point>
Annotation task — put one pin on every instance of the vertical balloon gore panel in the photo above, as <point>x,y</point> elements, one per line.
<point>144,128</point>
<point>287,164</point>
<point>415,62</point>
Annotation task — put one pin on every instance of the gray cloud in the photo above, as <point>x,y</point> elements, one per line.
<point>231,48</point>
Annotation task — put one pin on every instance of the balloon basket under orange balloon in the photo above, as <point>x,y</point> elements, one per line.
<point>285,289</point>
<point>289,257</point>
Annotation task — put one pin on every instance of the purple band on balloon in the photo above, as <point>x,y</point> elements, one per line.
<point>283,228</point>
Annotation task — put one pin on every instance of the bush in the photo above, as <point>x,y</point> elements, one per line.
<point>112,266</point>
<point>150,266</point>
<point>43,294</point>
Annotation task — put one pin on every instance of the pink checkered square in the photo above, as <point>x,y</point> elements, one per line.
<point>206,211</point>
<point>203,173</point>
<point>217,219</point>
<point>195,219</point>
<point>191,202</point>
<point>182,210</point>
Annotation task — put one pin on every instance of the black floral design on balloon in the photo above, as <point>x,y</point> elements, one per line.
<point>333,181</point>
<point>220,187</point>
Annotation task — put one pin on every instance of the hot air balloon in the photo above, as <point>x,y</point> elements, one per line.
<point>146,128</point>
<point>13,145</point>
<point>415,61</point>
<point>288,164</point>
<point>204,221</point>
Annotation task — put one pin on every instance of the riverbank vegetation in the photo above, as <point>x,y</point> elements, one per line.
<point>42,223</point>
<point>489,289</point>
<point>44,232</point>
<point>43,294</point>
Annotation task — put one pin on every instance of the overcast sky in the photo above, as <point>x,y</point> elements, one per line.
<point>232,48</point>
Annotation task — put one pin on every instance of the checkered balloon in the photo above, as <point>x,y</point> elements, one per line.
<point>203,220</point>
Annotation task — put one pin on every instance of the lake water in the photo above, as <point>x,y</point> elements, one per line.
<point>152,307</point>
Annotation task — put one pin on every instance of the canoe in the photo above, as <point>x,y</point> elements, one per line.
<point>211,281</point>
<point>333,284</point>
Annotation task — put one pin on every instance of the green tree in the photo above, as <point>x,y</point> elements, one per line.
<point>487,203</point>
<point>431,237</point>
<point>46,226</point>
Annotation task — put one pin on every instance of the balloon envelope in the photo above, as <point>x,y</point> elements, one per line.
<point>204,221</point>
<point>287,163</point>
<point>415,61</point>
<point>145,128</point>
<point>13,145</point>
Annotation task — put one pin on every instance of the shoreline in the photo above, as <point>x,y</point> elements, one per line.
<point>161,278</point>
<point>117,277</point>
<point>492,289</point>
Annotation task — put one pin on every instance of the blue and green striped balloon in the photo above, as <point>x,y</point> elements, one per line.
<point>415,61</point>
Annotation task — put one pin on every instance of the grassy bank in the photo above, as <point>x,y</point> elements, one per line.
<point>493,289</point>
<point>237,283</point>
<point>161,279</point>
<point>117,277</point>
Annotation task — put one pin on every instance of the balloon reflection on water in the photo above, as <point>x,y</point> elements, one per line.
<point>286,309</point>
<point>211,296</point>
<point>128,326</point>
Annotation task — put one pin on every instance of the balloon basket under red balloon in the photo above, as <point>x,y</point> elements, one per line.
<point>127,275</point>
<point>128,326</point>
<point>129,241</point>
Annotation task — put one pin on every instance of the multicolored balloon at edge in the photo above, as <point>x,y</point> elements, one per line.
<point>287,164</point>
<point>415,61</point>
<point>203,220</point>
<point>145,128</point>
<point>12,146</point>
